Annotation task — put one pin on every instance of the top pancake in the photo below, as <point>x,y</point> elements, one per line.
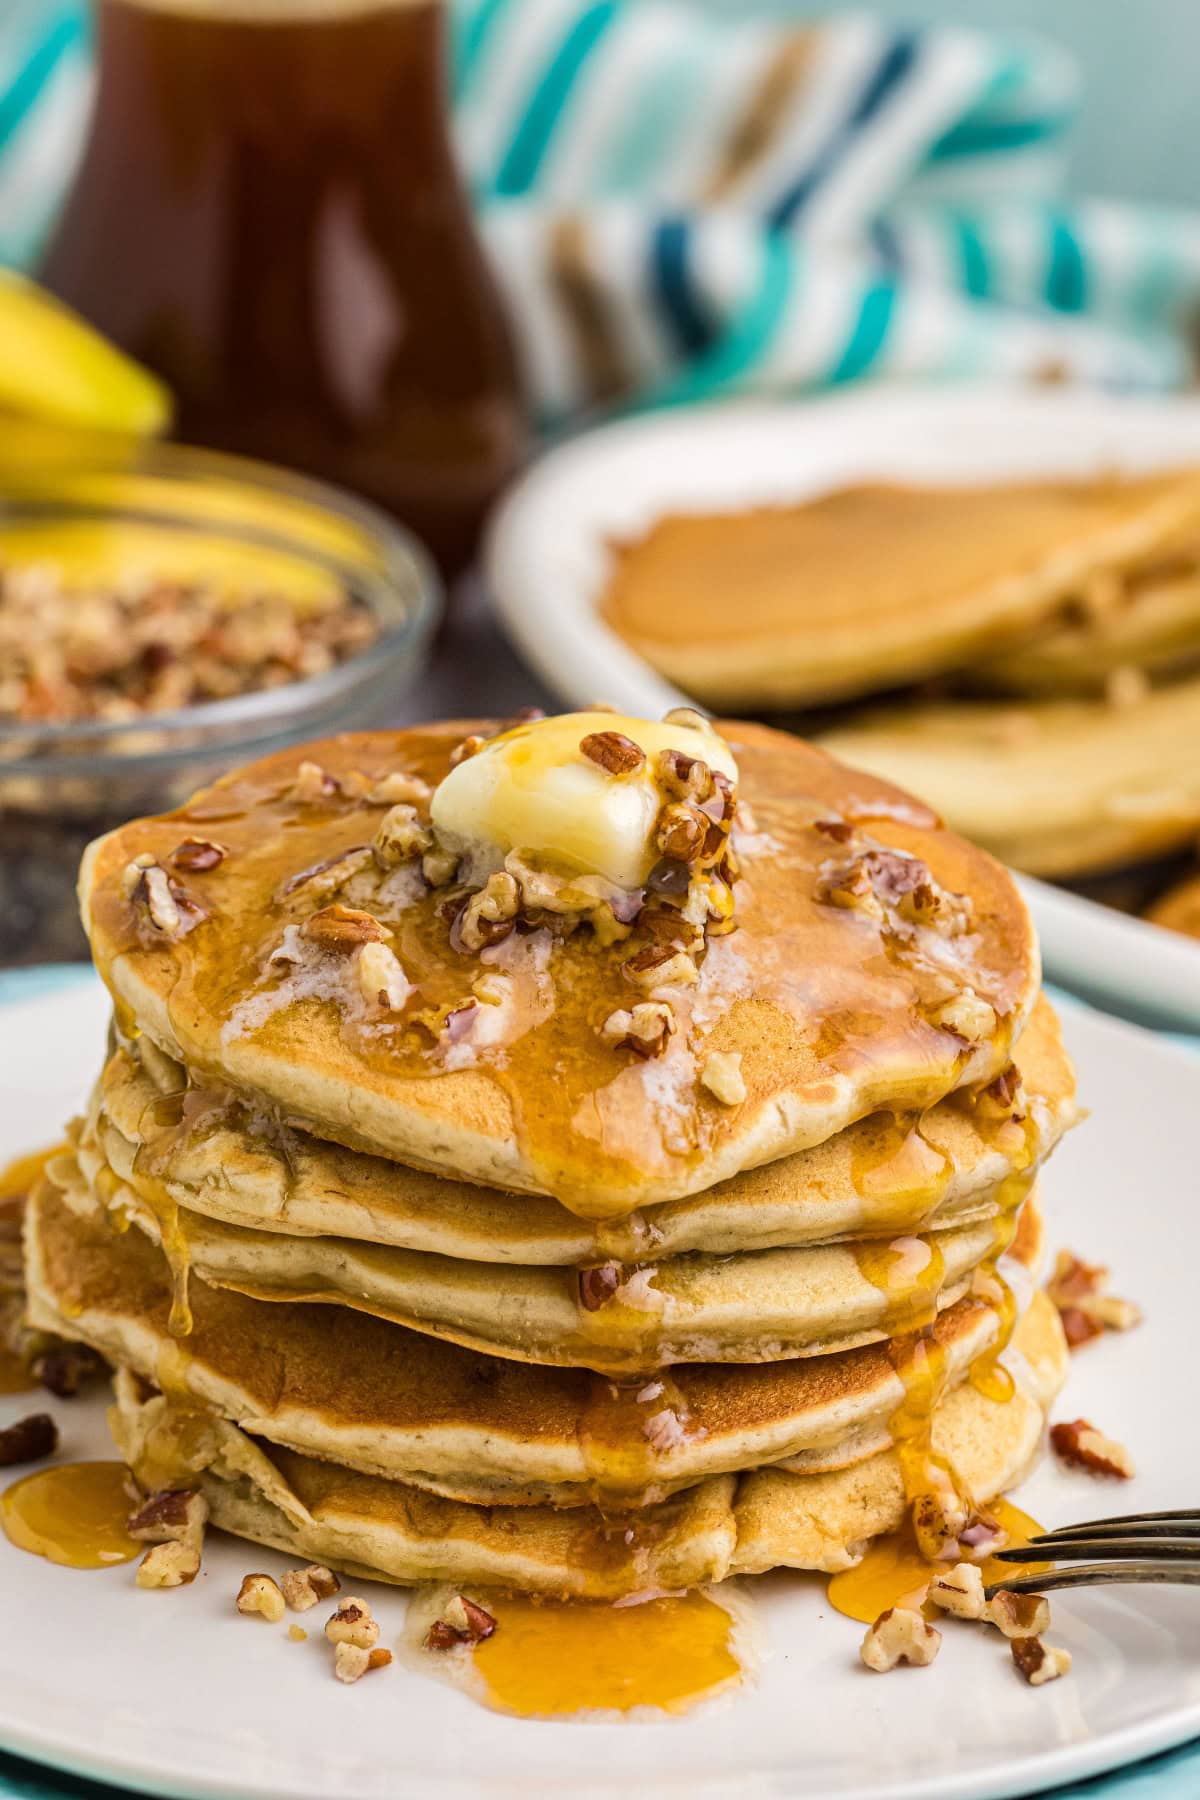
<point>830,1008</point>
<point>873,586</point>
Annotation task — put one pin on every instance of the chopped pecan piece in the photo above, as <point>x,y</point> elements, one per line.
<point>325,877</point>
<point>959,1591</point>
<point>645,1029</point>
<point>351,1661</point>
<point>260,1596</point>
<point>401,837</point>
<point>488,915</point>
<point>967,1016</point>
<point>598,1285</point>
<point>29,1440</point>
<point>352,1624</point>
<point>840,830</point>
<point>439,867</point>
<point>196,856</point>
<point>658,966</point>
<point>381,978</point>
<point>397,789</point>
<point>1018,1615</point>
<point>303,1588</point>
<point>612,751</point>
<point>342,928</point>
<point>462,1621</point>
<point>900,1635</point>
<point>470,746</point>
<point>67,1368</point>
<point>163,904</point>
<point>174,1563</point>
<point>722,1076</point>
<point>312,783</point>
<point>1039,1662</point>
<point>1083,1447</point>
<point>682,832</point>
<point>686,715</point>
<point>1080,1292</point>
<point>169,1516</point>
<point>683,777</point>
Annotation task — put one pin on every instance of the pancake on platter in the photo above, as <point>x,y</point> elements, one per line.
<point>1151,626</point>
<point>886,1174</point>
<point>725,1525</point>
<point>292,935</point>
<point>1179,909</point>
<point>871,587</point>
<point>401,1404</point>
<point>1057,788</point>
<point>758,1306</point>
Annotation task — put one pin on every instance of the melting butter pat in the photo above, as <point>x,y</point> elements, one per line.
<point>532,789</point>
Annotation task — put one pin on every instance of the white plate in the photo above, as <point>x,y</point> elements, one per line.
<point>548,557</point>
<point>172,1692</point>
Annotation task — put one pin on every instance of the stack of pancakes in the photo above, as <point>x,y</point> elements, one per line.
<point>444,1284</point>
<point>1040,641</point>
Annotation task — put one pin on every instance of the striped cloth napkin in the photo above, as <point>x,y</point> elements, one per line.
<point>682,203</point>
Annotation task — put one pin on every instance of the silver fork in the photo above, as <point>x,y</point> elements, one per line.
<point>1136,1547</point>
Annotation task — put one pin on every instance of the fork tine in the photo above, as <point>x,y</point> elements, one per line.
<point>1106,1549</point>
<point>1150,1518</point>
<point>1097,1575</point>
<point>1112,1528</point>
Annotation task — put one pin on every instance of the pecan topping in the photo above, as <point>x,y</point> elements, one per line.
<point>173,1564</point>
<point>489,915</point>
<point>683,777</point>
<point>66,1368</point>
<point>351,1662</point>
<point>644,1029</point>
<point>168,1516</point>
<point>381,978</point>
<point>598,1286</point>
<point>342,928</point>
<point>615,753</point>
<point>722,1076</point>
<point>196,856</point>
<point>352,1624</point>
<point>401,837</point>
<point>682,832</point>
<point>840,830</point>
<point>1018,1615</point>
<point>1039,1662</point>
<point>260,1597</point>
<point>1080,1292</point>
<point>303,1588</point>
<point>462,1621</point>
<point>959,1591</point>
<point>313,783</point>
<point>470,746</point>
<point>395,789</point>
<point>166,907</point>
<point>1083,1447</point>
<point>900,1635</point>
<point>659,965</point>
<point>331,873</point>
<point>29,1440</point>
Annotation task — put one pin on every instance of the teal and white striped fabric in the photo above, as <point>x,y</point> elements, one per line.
<point>682,203</point>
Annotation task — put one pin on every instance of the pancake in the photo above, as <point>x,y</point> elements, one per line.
<point>883,1175</point>
<point>1152,626</point>
<point>1179,909</point>
<point>726,1525</point>
<point>351,1389</point>
<point>760,1306</point>
<point>1057,788</point>
<point>875,586</point>
<point>834,1010</point>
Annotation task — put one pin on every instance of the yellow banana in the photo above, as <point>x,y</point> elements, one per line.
<point>54,367</point>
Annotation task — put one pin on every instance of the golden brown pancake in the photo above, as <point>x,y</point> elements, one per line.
<point>348,1388</point>
<point>834,1012</point>
<point>725,1525</point>
<point>1151,625</point>
<point>1179,910</point>
<point>757,1306</point>
<point>1056,787</point>
<point>884,1175</point>
<point>871,587</point>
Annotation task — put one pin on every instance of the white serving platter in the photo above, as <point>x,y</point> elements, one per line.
<point>174,1694</point>
<point>548,557</point>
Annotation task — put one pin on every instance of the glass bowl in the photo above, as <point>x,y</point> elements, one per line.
<point>187,512</point>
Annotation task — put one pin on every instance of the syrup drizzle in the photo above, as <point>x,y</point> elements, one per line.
<point>893,1572</point>
<point>73,1514</point>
